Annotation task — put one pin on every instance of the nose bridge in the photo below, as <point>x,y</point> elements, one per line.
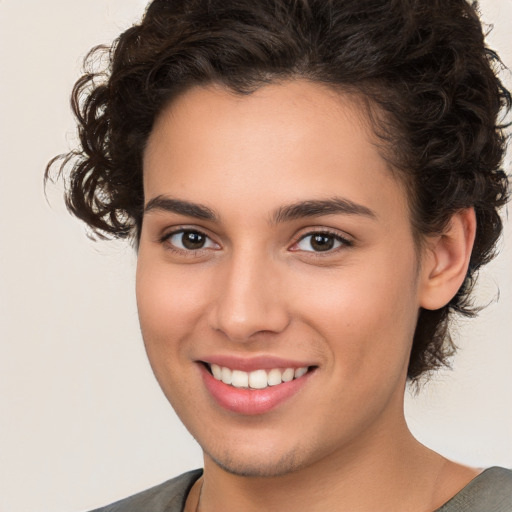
<point>249,300</point>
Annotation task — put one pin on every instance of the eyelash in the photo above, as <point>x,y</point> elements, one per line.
<point>343,242</point>
<point>166,239</point>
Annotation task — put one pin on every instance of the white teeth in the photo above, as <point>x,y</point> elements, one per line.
<point>299,372</point>
<point>226,375</point>
<point>240,379</point>
<point>274,377</point>
<point>288,375</point>
<point>257,379</point>
<point>217,371</point>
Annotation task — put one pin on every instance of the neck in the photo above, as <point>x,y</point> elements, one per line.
<point>393,472</point>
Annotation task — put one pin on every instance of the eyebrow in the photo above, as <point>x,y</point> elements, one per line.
<point>286,213</point>
<point>169,204</point>
<point>316,208</point>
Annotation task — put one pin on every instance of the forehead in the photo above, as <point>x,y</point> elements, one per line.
<point>284,142</point>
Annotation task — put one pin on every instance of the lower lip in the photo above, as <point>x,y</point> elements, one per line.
<point>251,401</point>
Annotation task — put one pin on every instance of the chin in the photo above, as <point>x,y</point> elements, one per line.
<point>263,467</point>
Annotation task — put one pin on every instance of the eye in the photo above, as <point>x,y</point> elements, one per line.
<point>320,242</point>
<point>190,240</point>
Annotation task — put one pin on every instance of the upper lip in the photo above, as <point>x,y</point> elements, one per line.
<point>249,364</point>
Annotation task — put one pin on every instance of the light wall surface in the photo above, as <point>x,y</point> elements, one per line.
<point>83,422</point>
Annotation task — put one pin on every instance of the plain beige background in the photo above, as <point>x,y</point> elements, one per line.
<point>82,420</point>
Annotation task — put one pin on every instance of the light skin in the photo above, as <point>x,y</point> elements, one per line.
<point>251,180</point>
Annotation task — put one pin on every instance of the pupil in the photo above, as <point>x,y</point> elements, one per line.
<point>322,242</point>
<point>193,240</point>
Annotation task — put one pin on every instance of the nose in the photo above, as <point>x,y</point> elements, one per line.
<point>250,299</point>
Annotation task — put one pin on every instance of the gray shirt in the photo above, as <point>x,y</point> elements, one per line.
<point>491,491</point>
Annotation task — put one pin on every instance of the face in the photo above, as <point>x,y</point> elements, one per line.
<point>277,279</point>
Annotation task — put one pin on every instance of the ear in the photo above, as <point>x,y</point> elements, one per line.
<point>446,259</point>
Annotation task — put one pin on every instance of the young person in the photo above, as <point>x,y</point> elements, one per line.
<point>312,186</point>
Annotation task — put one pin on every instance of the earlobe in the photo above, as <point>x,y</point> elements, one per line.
<point>446,261</point>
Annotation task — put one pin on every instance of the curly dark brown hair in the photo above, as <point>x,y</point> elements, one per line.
<point>423,68</point>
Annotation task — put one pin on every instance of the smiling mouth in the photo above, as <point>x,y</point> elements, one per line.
<point>257,379</point>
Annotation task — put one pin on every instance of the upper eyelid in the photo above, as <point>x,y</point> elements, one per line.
<point>345,237</point>
<point>346,241</point>
<point>303,233</point>
<point>168,233</point>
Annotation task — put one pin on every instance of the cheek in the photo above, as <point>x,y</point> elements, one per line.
<point>169,307</point>
<point>368,315</point>
<point>170,302</point>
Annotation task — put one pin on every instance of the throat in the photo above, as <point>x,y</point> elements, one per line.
<point>194,496</point>
<point>417,480</point>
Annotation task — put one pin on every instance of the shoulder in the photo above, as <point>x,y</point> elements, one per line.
<point>169,496</point>
<point>491,491</point>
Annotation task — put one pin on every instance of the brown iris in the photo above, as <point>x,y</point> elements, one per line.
<point>193,240</point>
<point>321,242</point>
